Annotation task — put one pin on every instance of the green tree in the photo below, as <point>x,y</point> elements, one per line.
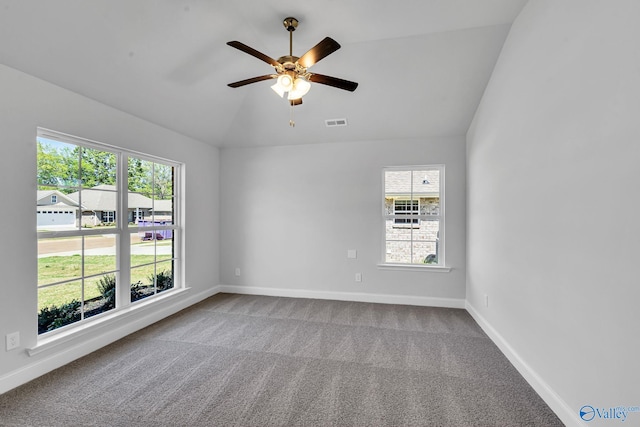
<point>96,167</point>
<point>163,182</point>
<point>140,176</point>
<point>55,167</point>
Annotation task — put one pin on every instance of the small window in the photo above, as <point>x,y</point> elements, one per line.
<point>108,216</point>
<point>413,215</point>
<point>54,199</point>
<point>406,211</point>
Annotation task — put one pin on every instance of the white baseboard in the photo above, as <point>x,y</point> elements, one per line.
<point>346,296</point>
<point>75,348</point>
<point>568,416</point>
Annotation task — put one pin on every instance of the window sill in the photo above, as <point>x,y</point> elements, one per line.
<point>415,267</point>
<point>56,339</point>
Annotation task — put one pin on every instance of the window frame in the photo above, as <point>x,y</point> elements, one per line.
<point>441,266</point>
<point>122,231</point>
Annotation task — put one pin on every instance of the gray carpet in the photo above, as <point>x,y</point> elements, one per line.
<point>238,360</point>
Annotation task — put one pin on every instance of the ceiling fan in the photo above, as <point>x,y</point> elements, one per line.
<point>291,71</point>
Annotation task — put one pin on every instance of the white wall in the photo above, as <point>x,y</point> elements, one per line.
<point>290,214</point>
<point>553,173</point>
<point>26,103</point>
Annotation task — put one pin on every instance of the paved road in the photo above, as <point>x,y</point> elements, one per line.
<point>99,245</point>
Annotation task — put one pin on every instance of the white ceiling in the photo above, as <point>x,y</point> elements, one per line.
<point>422,65</point>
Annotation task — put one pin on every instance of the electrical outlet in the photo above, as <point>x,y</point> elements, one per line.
<point>237,271</point>
<point>358,277</point>
<point>13,340</point>
<point>352,253</point>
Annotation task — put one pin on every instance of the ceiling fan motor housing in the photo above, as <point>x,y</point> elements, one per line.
<point>290,23</point>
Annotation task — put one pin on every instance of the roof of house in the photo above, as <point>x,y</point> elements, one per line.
<point>41,195</point>
<point>104,197</point>
<point>163,205</point>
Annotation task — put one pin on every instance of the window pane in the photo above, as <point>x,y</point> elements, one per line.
<point>140,176</point>
<point>139,207</point>
<point>99,254</point>
<point>164,247</point>
<point>97,168</point>
<point>57,163</point>
<point>397,182</point>
<point>142,282</point>
<point>99,295</point>
<point>398,252</point>
<point>396,231</point>
<point>426,242</point>
<point>58,295</point>
<point>55,211</point>
<point>99,206</point>
<point>429,206</point>
<point>59,259</point>
<point>426,182</point>
<point>143,247</point>
<point>164,276</point>
<point>59,305</point>
<point>163,211</point>
<point>163,182</point>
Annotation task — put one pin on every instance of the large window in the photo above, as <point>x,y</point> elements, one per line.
<point>102,257</point>
<point>413,215</point>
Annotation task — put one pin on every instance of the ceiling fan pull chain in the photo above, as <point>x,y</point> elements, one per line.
<point>292,123</point>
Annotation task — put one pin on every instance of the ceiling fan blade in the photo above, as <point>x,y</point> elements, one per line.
<point>333,81</point>
<point>251,51</point>
<point>253,80</point>
<point>326,47</point>
<point>296,101</point>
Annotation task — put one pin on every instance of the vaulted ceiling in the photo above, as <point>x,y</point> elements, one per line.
<point>422,65</point>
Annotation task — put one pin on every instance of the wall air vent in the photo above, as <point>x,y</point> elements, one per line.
<point>335,122</point>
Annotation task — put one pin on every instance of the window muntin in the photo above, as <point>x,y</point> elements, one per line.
<point>82,262</point>
<point>413,221</point>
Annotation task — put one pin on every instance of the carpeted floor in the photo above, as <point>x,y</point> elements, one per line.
<point>239,360</point>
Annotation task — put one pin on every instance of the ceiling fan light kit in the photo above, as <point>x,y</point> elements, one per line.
<point>291,71</point>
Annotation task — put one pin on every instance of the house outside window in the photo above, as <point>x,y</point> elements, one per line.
<point>54,199</point>
<point>413,202</point>
<point>89,261</point>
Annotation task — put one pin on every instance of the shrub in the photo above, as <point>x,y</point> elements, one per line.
<point>54,317</point>
<point>164,280</point>
<point>431,259</point>
<point>137,291</point>
<point>107,288</point>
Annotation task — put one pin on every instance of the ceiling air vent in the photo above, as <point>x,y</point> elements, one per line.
<point>335,122</point>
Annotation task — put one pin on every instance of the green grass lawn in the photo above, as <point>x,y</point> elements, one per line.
<point>58,268</point>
